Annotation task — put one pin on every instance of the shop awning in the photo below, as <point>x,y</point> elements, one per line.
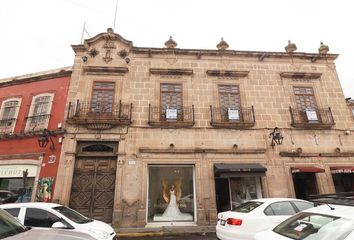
<point>307,170</point>
<point>342,170</point>
<point>239,170</point>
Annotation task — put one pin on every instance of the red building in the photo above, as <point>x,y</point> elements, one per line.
<point>31,117</point>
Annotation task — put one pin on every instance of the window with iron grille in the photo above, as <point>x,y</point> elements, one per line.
<point>171,100</point>
<point>9,110</point>
<point>39,113</point>
<point>8,114</point>
<point>230,102</point>
<point>102,97</point>
<point>305,98</point>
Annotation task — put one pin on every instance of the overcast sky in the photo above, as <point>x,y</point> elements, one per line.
<point>36,34</point>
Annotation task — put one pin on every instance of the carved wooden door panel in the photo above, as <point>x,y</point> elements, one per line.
<point>92,192</point>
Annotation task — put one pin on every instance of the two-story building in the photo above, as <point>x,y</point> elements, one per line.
<point>31,118</point>
<point>208,129</point>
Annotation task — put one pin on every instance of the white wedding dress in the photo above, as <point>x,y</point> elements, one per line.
<point>172,211</point>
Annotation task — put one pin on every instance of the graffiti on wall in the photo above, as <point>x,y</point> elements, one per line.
<point>45,189</point>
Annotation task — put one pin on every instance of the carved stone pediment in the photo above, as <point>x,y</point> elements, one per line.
<point>105,48</point>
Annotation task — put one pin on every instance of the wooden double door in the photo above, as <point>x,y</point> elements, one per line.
<point>93,187</point>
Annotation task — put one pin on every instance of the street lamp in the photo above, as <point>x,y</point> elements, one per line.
<point>44,139</point>
<point>277,137</point>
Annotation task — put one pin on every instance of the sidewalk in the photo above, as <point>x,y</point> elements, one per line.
<point>163,231</point>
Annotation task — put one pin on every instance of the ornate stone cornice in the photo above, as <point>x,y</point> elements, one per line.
<point>171,71</point>
<point>307,155</point>
<point>202,150</point>
<point>95,70</point>
<point>300,75</point>
<point>227,73</point>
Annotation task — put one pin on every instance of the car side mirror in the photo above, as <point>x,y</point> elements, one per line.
<point>58,225</point>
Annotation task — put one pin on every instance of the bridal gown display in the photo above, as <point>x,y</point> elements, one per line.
<point>172,212</point>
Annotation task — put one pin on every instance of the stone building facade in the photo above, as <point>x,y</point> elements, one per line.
<point>204,129</point>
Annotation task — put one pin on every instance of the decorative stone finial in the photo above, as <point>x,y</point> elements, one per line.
<point>323,49</point>
<point>222,45</point>
<point>291,47</point>
<point>109,30</point>
<point>170,43</point>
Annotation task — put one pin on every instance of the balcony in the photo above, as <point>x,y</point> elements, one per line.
<point>37,122</point>
<point>228,118</point>
<point>99,115</point>
<point>7,125</point>
<point>320,118</point>
<point>180,117</point>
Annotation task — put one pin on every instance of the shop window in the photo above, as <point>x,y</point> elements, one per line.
<point>20,192</point>
<point>39,113</point>
<point>244,189</point>
<point>171,193</point>
<point>102,97</point>
<point>40,218</point>
<point>8,114</point>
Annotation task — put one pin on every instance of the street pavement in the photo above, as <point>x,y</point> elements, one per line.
<point>207,236</point>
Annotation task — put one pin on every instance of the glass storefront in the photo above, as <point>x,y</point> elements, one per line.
<point>171,193</point>
<point>232,191</point>
<point>343,182</point>
<point>16,190</point>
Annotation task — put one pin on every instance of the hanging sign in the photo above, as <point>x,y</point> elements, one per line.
<point>234,114</point>
<point>311,115</point>
<point>171,113</point>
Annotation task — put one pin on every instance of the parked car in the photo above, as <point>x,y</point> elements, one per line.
<point>7,196</point>
<point>325,222</point>
<point>52,215</point>
<point>257,215</point>
<point>12,229</point>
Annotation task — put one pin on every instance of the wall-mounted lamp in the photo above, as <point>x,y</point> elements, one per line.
<point>84,58</point>
<point>277,137</point>
<point>45,138</point>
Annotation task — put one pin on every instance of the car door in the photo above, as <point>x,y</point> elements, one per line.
<point>279,211</point>
<point>39,218</point>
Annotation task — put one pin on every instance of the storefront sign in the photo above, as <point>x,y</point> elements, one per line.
<point>342,170</point>
<point>52,159</point>
<point>234,114</point>
<point>15,171</point>
<point>241,170</point>
<point>171,113</point>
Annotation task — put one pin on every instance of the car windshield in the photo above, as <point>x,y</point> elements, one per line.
<point>9,225</point>
<point>247,207</point>
<point>72,214</point>
<point>312,226</point>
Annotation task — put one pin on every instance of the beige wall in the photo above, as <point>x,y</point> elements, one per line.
<point>262,88</point>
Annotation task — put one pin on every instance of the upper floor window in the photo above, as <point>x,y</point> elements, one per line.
<point>171,101</point>
<point>305,98</point>
<point>102,97</point>
<point>39,114</point>
<point>8,114</point>
<point>230,102</point>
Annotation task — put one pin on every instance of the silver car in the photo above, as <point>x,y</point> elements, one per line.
<point>12,229</point>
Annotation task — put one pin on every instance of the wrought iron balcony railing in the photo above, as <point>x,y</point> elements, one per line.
<point>6,125</point>
<point>232,118</point>
<point>171,117</point>
<point>320,118</point>
<point>99,115</point>
<point>37,122</point>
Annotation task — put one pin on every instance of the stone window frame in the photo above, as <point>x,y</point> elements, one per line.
<point>31,112</point>
<point>19,100</point>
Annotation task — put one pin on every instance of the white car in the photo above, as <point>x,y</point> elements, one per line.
<point>52,215</point>
<point>12,229</point>
<point>257,215</point>
<point>326,222</point>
